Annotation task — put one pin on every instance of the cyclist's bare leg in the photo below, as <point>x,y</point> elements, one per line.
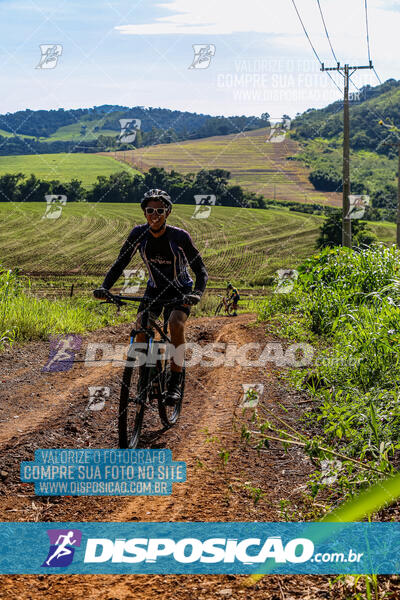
<point>141,337</point>
<point>177,329</point>
<point>234,306</point>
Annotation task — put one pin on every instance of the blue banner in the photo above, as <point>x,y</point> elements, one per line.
<point>103,472</point>
<point>194,548</point>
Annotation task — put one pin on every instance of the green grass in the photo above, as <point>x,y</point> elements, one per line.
<point>348,304</point>
<point>370,172</point>
<point>24,317</point>
<point>69,132</point>
<point>64,167</point>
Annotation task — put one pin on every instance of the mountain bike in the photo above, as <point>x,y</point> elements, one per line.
<point>226,304</point>
<point>145,377</point>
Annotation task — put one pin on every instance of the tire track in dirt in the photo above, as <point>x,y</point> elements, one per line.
<point>214,491</point>
<point>44,409</point>
<point>220,393</point>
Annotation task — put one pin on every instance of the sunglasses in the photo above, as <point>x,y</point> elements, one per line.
<point>159,211</point>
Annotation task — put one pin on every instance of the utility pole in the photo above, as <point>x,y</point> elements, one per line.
<point>346,222</point>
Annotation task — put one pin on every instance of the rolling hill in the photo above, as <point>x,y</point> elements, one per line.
<point>98,128</point>
<point>258,166</point>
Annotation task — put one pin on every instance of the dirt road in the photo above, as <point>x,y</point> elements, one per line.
<point>49,410</point>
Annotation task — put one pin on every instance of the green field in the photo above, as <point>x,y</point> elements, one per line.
<point>8,135</point>
<point>73,132</point>
<point>256,165</point>
<point>245,245</point>
<point>64,167</point>
<point>69,132</point>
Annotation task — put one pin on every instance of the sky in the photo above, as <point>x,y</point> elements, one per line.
<point>140,53</point>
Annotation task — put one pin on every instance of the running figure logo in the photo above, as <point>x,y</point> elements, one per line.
<point>133,278</point>
<point>252,393</point>
<point>54,205</point>
<point>357,206</point>
<point>60,552</point>
<point>129,127</point>
<point>97,397</point>
<point>278,131</point>
<point>62,352</point>
<point>204,203</point>
<point>286,280</point>
<point>203,54</point>
<point>50,56</point>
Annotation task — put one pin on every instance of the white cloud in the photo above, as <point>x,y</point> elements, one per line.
<point>278,20</point>
<point>214,17</point>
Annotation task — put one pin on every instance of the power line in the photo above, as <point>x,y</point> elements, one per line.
<point>368,46</point>
<point>377,76</point>
<point>305,31</point>
<point>311,44</point>
<point>326,30</point>
<point>366,24</point>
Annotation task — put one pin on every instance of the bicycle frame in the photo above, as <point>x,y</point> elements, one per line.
<point>121,300</point>
<point>152,379</point>
<point>226,303</point>
<point>147,329</point>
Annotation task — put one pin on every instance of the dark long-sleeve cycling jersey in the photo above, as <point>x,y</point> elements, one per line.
<point>163,274</point>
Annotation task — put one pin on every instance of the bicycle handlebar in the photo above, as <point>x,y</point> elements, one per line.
<point>121,300</point>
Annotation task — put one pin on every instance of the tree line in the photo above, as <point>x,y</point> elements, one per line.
<point>124,187</point>
<point>99,128</point>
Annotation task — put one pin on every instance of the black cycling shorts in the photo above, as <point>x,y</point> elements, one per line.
<point>156,305</point>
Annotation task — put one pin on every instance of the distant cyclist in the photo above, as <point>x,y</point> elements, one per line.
<point>167,252</point>
<point>233,295</point>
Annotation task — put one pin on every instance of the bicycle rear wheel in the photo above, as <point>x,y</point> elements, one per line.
<point>229,309</point>
<point>169,414</point>
<point>132,402</point>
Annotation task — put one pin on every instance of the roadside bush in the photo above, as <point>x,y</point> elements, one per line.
<point>351,300</point>
<point>11,286</point>
<point>330,232</point>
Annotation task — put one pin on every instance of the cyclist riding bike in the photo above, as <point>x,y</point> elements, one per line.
<point>167,252</point>
<point>233,295</point>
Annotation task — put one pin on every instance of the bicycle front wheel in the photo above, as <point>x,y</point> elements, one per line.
<point>132,402</point>
<point>218,309</point>
<point>170,414</point>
